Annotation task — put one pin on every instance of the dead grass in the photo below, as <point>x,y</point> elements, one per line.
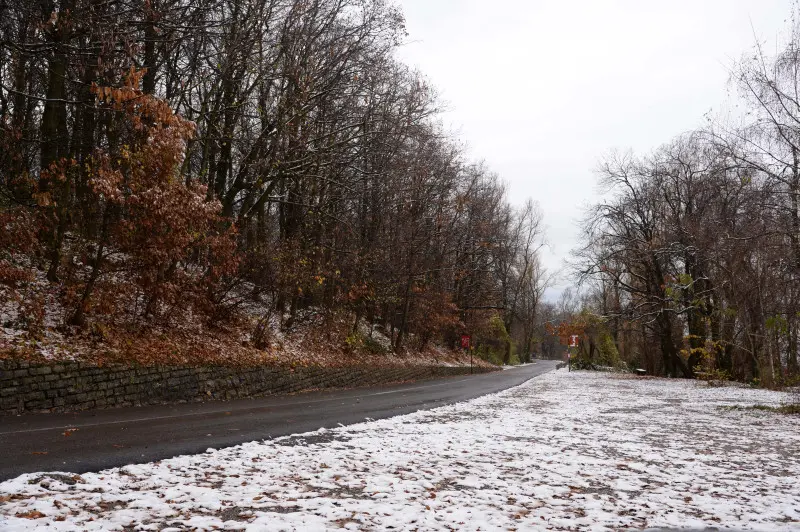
<point>789,410</point>
<point>633,376</point>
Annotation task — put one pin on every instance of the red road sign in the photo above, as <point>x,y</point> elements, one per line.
<point>573,340</point>
<point>465,338</point>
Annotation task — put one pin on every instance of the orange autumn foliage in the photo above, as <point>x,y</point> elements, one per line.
<point>160,230</point>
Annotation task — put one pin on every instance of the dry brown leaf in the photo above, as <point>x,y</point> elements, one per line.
<point>33,514</point>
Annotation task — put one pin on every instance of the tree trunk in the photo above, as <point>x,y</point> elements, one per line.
<point>54,139</point>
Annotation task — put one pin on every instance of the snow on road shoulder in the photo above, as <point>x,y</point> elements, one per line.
<point>565,451</point>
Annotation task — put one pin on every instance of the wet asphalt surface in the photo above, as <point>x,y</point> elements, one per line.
<point>100,439</point>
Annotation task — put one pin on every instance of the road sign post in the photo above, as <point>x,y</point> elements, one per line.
<point>465,344</point>
<point>573,343</point>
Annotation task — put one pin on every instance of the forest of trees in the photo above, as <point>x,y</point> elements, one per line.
<point>691,261</point>
<point>166,159</point>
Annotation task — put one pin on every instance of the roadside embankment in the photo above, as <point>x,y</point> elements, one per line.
<point>73,386</point>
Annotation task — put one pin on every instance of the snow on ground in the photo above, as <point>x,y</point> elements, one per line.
<point>566,451</point>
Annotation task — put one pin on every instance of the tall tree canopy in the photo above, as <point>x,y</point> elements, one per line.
<point>163,157</point>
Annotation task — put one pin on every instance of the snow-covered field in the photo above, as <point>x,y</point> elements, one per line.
<point>566,451</point>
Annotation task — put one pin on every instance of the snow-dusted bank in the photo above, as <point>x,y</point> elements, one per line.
<point>565,451</point>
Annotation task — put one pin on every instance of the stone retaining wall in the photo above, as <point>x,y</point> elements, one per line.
<point>73,386</point>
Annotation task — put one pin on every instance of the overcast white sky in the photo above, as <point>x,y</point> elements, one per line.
<point>542,89</point>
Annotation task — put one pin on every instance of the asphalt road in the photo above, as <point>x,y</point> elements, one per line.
<point>95,440</point>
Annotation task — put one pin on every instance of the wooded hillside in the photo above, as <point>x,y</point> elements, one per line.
<point>174,162</point>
